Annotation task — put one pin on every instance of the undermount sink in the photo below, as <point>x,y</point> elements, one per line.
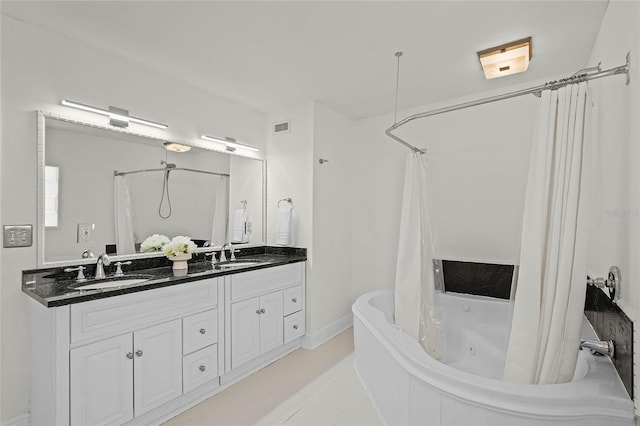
<point>111,282</point>
<point>236,264</point>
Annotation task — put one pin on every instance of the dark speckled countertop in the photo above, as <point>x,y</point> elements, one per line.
<point>54,287</point>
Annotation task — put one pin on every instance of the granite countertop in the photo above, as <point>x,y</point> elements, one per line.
<point>54,287</point>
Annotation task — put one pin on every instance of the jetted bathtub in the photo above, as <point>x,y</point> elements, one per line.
<point>408,387</point>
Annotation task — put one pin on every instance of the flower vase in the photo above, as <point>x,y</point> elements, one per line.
<point>180,262</point>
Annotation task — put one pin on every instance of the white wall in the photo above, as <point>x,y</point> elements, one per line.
<point>289,172</point>
<point>290,175</point>
<point>477,169</point>
<point>1,222</point>
<point>616,232</point>
<point>329,296</point>
<point>322,198</point>
<point>39,69</point>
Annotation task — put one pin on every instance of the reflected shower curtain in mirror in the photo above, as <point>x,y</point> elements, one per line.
<point>122,214</point>
<point>549,300</point>
<point>415,310</point>
<point>220,219</point>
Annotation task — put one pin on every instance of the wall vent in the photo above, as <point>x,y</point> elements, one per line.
<point>282,127</point>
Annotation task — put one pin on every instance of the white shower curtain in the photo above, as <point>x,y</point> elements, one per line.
<point>549,300</point>
<point>415,311</point>
<point>220,217</point>
<point>122,214</point>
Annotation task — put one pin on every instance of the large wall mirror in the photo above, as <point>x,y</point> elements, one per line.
<point>104,190</point>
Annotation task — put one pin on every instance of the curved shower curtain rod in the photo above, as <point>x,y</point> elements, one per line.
<point>578,77</point>
<point>164,169</point>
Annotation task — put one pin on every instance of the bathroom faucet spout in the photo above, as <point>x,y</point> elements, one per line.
<point>103,260</point>
<point>223,257</point>
<point>604,347</point>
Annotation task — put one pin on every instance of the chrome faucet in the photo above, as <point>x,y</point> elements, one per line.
<point>223,258</point>
<point>103,260</point>
<point>599,347</point>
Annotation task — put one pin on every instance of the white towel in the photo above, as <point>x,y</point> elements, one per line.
<point>238,234</point>
<point>284,229</point>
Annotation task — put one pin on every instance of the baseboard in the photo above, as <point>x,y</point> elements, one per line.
<point>22,420</point>
<point>312,341</point>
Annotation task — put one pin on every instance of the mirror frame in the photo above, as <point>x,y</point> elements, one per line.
<point>41,141</point>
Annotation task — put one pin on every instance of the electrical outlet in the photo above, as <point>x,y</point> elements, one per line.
<point>17,236</point>
<point>85,232</point>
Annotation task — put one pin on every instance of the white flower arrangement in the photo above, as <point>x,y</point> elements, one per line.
<point>179,245</point>
<point>153,243</point>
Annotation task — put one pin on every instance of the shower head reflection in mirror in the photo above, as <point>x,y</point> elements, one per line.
<point>87,155</point>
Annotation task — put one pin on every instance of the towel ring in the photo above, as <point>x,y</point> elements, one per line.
<point>288,200</point>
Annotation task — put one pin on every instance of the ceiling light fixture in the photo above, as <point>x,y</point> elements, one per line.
<point>176,147</point>
<point>117,117</point>
<point>506,59</point>
<point>230,143</point>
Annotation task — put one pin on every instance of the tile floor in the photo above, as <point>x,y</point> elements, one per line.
<point>318,387</point>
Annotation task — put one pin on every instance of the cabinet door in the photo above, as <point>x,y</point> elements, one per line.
<point>271,326</point>
<point>158,365</point>
<point>245,331</point>
<point>101,382</point>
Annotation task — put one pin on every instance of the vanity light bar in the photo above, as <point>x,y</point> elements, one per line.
<point>231,143</point>
<point>113,115</point>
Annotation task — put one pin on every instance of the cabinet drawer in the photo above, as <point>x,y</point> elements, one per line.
<point>199,368</point>
<point>253,283</point>
<point>199,330</point>
<point>292,300</point>
<point>293,326</point>
<point>125,313</point>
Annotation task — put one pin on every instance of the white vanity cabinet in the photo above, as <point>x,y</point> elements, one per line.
<point>256,327</point>
<point>144,357</point>
<point>258,305</point>
<point>131,358</point>
<point>101,382</point>
<point>115,379</point>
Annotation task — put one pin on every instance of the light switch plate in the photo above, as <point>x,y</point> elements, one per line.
<point>17,236</point>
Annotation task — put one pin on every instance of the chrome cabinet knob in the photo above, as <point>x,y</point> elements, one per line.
<point>202,368</point>
<point>203,331</point>
<point>295,327</point>
<point>138,353</point>
<point>258,312</point>
<point>294,300</point>
<point>262,311</point>
<point>130,355</point>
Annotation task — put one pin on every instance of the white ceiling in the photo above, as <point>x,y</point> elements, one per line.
<point>268,54</point>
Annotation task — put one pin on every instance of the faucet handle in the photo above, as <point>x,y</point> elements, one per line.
<point>119,272</point>
<point>104,259</point>
<point>213,256</point>
<point>80,278</point>
<point>233,252</point>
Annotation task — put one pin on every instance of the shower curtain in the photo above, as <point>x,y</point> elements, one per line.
<point>549,300</point>
<point>415,311</point>
<point>125,243</point>
<point>220,219</point>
